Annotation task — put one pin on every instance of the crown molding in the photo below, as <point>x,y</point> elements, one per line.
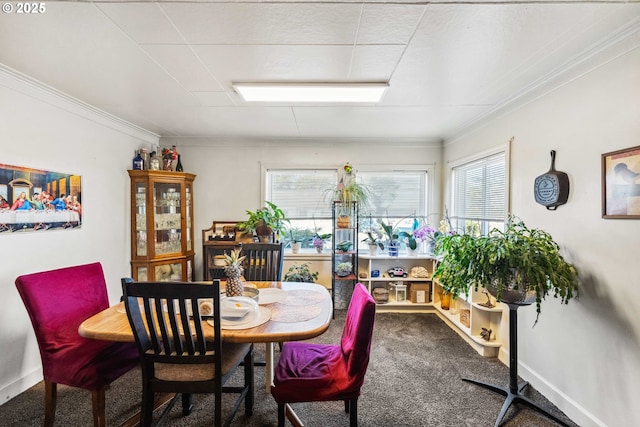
<point>19,82</point>
<point>619,44</point>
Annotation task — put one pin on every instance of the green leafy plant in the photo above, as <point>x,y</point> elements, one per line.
<point>518,259</point>
<point>344,268</point>
<point>373,240</point>
<point>300,273</point>
<point>344,246</point>
<point>270,218</point>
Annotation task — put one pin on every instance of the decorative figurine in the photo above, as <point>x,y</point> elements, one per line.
<point>486,334</point>
<point>488,303</point>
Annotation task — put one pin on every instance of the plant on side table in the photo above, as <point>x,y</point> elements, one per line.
<point>265,222</point>
<point>519,265</point>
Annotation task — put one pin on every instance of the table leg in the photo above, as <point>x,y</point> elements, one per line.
<point>293,418</point>
<point>269,366</point>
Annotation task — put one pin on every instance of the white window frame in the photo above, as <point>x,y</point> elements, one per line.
<point>484,225</point>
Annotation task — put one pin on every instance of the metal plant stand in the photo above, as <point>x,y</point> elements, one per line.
<point>512,393</point>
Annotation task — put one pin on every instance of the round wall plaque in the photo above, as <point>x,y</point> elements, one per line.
<point>552,188</point>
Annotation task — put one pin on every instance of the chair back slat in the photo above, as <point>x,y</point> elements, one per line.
<point>172,330</point>
<point>264,261</point>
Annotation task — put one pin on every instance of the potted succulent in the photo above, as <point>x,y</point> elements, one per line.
<point>374,243</point>
<point>265,222</point>
<point>517,266</point>
<point>300,273</point>
<point>344,268</point>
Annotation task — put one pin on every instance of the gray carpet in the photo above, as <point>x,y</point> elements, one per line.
<point>414,379</point>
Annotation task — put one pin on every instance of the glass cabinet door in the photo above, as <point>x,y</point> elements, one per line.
<point>141,218</point>
<point>189,214</point>
<point>166,217</point>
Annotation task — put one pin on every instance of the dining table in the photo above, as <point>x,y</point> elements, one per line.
<point>288,311</point>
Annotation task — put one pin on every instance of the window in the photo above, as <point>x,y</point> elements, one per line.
<point>303,196</point>
<point>479,195</point>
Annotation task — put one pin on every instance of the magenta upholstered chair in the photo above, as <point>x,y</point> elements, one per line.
<point>57,302</point>
<point>309,372</point>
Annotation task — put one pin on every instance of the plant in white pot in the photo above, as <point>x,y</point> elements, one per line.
<point>374,243</point>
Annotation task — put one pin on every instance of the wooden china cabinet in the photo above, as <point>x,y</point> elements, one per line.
<point>162,246</point>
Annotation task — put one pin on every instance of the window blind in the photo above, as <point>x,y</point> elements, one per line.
<point>396,194</point>
<point>302,194</point>
<point>479,193</point>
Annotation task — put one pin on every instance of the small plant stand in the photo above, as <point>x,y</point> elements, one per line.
<point>513,392</point>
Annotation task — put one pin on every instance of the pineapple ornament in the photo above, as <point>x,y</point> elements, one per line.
<point>233,270</point>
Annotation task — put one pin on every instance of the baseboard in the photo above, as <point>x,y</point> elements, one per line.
<point>20,385</point>
<point>571,408</point>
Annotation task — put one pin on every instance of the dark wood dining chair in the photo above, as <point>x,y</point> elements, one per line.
<point>57,302</point>
<point>175,356</point>
<point>309,372</point>
<point>264,261</point>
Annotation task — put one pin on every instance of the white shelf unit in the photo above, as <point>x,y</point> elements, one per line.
<point>382,262</point>
<point>479,317</point>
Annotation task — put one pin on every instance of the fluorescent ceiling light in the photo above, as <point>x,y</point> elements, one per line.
<point>311,92</point>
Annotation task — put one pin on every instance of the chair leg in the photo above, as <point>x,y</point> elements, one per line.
<point>346,406</point>
<point>187,403</point>
<point>353,412</point>
<point>146,412</point>
<point>281,410</point>
<point>249,382</point>
<point>97,399</point>
<point>50,399</point>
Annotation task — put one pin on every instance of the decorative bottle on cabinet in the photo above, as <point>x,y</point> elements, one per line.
<point>161,225</point>
<point>138,162</point>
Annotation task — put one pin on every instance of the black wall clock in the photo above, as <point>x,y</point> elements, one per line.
<point>552,188</point>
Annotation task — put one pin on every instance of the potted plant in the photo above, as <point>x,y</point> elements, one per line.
<point>319,239</point>
<point>294,242</point>
<point>346,192</point>
<point>374,243</point>
<point>393,244</point>
<point>300,273</point>
<point>517,266</point>
<point>265,222</point>
<point>344,246</point>
<point>344,268</point>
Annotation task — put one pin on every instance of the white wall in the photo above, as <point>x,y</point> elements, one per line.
<point>584,356</point>
<point>44,131</point>
<point>229,173</point>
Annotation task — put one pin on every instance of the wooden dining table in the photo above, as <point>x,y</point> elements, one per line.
<point>302,312</point>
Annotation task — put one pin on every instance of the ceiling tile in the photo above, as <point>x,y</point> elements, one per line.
<point>265,23</point>
<point>143,22</point>
<point>183,64</point>
<point>276,63</point>
<point>387,122</point>
<point>374,63</point>
<point>388,23</point>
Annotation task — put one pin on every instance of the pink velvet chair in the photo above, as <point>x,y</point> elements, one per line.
<point>57,302</point>
<point>308,372</point>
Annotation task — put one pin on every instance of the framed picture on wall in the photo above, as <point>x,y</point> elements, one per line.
<point>621,183</point>
<point>26,206</point>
